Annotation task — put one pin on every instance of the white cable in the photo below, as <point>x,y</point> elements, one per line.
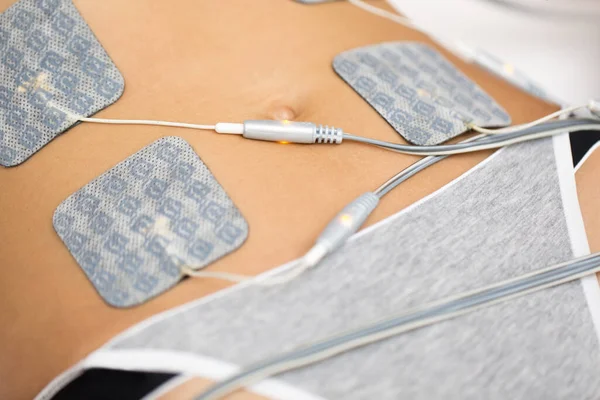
<point>517,128</point>
<point>308,261</point>
<point>285,277</point>
<point>146,122</point>
<point>455,47</point>
<point>226,276</point>
<point>386,14</point>
<point>220,127</point>
<point>238,278</point>
<point>303,265</point>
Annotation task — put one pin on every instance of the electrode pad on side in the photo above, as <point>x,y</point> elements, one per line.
<point>52,69</point>
<point>134,227</point>
<point>422,95</point>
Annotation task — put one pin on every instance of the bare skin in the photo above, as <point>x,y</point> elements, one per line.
<point>588,190</point>
<point>203,62</point>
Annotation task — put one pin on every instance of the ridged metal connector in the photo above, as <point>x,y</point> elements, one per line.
<point>327,134</point>
<point>291,132</point>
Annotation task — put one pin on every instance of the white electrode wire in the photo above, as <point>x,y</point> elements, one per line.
<point>591,264</point>
<point>146,122</point>
<point>271,280</point>
<point>380,12</point>
<point>238,278</point>
<point>224,276</point>
<point>308,261</point>
<point>455,47</point>
<point>284,277</point>
<point>517,128</point>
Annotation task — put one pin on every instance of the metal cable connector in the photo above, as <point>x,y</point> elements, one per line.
<point>291,132</point>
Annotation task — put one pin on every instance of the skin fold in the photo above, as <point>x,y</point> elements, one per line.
<point>203,62</point>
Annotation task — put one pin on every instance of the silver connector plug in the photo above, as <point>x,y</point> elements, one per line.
<point>344,225</point>
<point>347,222</point>
<point>291,132</point>
<point>335,234</point>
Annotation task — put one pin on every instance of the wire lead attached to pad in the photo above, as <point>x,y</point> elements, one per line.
<point>146,122</point>
<point>517,128</point>
<point>336,233</point>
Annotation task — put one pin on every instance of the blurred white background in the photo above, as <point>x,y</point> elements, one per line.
<point>555,42</point>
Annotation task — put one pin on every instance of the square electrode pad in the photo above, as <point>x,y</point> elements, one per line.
<point>52,69</point>
<point>134,227</point>
<point>422,95</point>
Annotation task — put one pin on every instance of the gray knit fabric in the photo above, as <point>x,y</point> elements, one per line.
<point>503,219</point>
<point>420,94</point>
<point>52,69</point>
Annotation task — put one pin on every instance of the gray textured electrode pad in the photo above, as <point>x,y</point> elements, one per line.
<point>503,219</point>
<point>132,228</point>
<point>420,94</point>
<point>52,69</point>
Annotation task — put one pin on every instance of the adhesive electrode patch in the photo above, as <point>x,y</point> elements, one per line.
<point>417,91</point>
<point>134,227</point>
<point>52,69</point>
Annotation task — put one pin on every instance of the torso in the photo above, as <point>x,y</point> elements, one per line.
<point>203,62</point>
